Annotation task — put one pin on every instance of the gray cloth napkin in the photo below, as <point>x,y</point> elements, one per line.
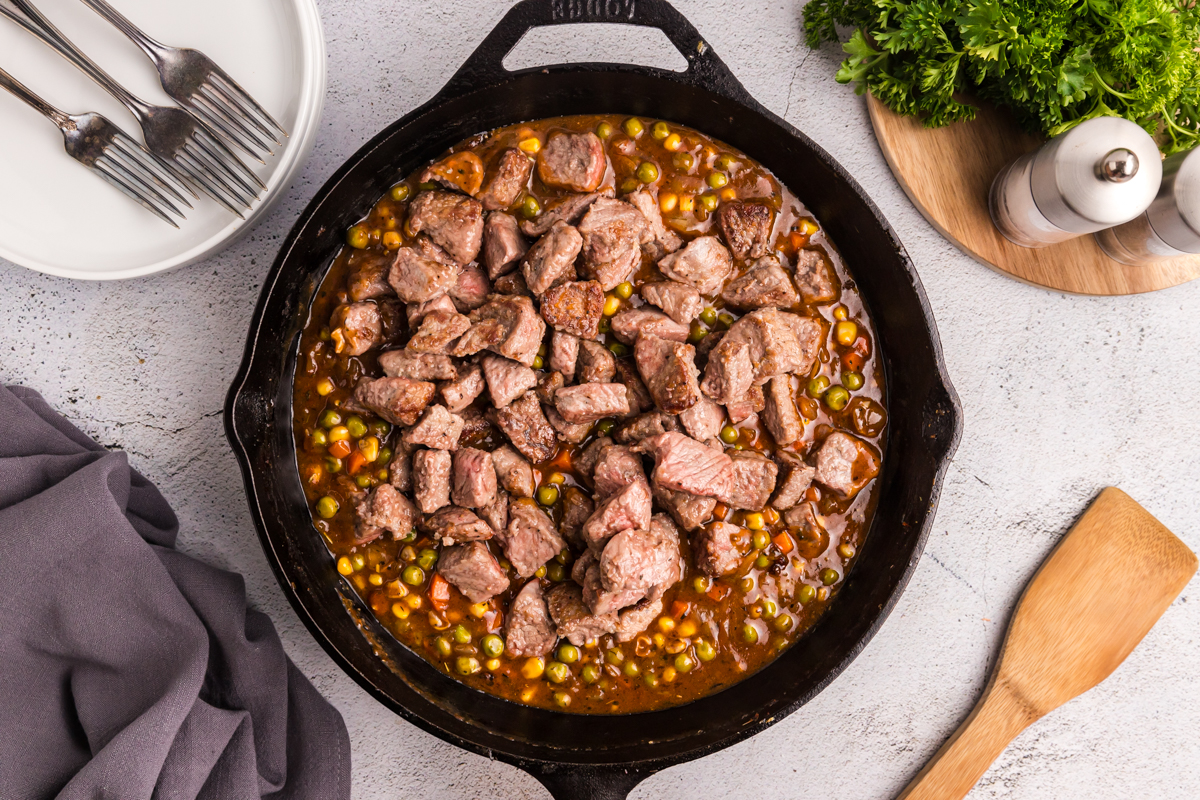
<point>129,670</point>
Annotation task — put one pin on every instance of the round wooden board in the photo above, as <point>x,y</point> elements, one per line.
<point>947,172</point>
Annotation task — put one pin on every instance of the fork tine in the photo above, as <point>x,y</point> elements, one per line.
<point>121,164</point>
<point>232,187</point>
<point>202,179</point>
<point>233,166</point>
<point>102,168</point>
<point>243,101</point>
<point>237,116</point>
<point>217,118</point>
<point>149,166</point>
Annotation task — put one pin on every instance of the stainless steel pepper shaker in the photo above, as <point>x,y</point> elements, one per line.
<point>1171,226</point>
<point>1101,173</point>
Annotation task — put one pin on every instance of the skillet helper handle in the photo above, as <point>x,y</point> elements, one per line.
<point>589,783</point>
<point>485,66</point>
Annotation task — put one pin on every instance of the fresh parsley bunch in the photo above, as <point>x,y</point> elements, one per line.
<point>1054,64</point>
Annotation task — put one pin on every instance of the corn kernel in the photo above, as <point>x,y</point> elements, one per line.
<point>666,624</point>
<point>668,674</point>
<point>533,667</point>
<point>369,447</point>
<point>728,193</point>
<point>687,203</point>
<point>391,240</point>
<point>530,145</point>
<point>673,142</point>
<point>841,313</point>
<point>360,582</point>
<point>344,566</point>
<point>414,601</point>
<point>324,386</point>
<point>612,304</point>
<point>687,628</point>
<point>659,640</point>
<point>807,227</point>
<point>527,695</point>
<point>845,333</point>
<point>400,611</point>
<point>478,610</point>
<point>667,202</point>
<point>492,664</point>
<point>397,589</point>
<point>375,579</point>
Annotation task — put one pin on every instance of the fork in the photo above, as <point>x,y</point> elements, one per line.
<point>194,81</point>
<point>170,133</point>
<point>103,148</point>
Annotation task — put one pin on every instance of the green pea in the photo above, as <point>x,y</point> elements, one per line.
<point>331,419</point>
<point>548,494</point>
<point>556,572</point>
<point>364,481</point>
<point>717,180</point>
<point>770,608</point>
<point>461,634</point>
<point>467,665</point>
<point>783,623</point>
<point>746,584</point>
<point>568,653</point>
<point>704,650</point>
<point>709,316</point>
<point>817,386</point>
<point>684,663</point>
<point>590,673</point>
<point>333,465</point>
<point>650,679</point>
<point>696,332</point>
<point>385,456</point>
<point>647,172</point>
<point>427,186</point>
<point>605,324</point>
<point>604,426</point>
<point>319,438</point>
<point>492,645</point>
<point>381,429</point>
<point>413,575</point>
<point>749,634</point>
<point>829,576</point>
<point>725,162</point>
<point>761,539</point>
<point>624,290</point>
<point>762,562</point>
<point>836,398</point>
<point>852,380</point>
<point>633,127</point>
<point>660,130</point>
<point>806,594</point>
<point>701,584</point>
<point>604,130</point>
<point>709,201</point>
<point>846,550</point>
<point>427,558</point>
<point>614,655</point>
<point>630,185</point>
<point>382,475</point>
<point>327,507</point>
<point>557,672</point>
<point>683,161</point>
<point>530,208</point>
<point>357,237</point>
<point>443,646</point>
<point>631,669</point>
<point>400,192</point>
<point>411,536</point>
<point>725,320</point>
<point>617,349</point>
<point>409,553</point>
<point>729,434</point>
<point>357,427</point>
<point>543,351</point>
<point>562,699</point>
<point>538,362</point>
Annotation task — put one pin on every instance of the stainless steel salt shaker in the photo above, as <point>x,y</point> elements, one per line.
<point>1171,226</point>
<point>1101,173</point>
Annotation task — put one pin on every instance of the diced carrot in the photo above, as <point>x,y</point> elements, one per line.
<point>340,449</point>
<point>718,592</point>
<point>797,239</point>
<point>852,362</point>
<point>720,511</point>
<point>562,461</point>
<point>494,622</point>
<point>679,608</point>
<point>439,592</point>
<point>357,460</point>
<point>812,494</point>
<point>783,542</point>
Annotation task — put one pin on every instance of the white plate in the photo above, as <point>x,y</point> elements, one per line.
<point>57,217</point>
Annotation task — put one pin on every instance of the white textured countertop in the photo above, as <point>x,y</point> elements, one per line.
<point>1062,396</point>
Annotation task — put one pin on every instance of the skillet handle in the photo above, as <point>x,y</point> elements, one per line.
<point>485,67</point>
<point>589,783</point>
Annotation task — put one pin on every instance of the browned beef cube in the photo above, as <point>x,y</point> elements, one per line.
<point>577,507</point>
<point>810,333</point>
<point>472,288</point>
<point>416,278</point>
<point>438,429</point>
<point>564,351</point>
<point>495,513</point>
<point>526,427</point>
<point>780,414</point>
<point>775,347</point>
<point>431,479</point>
<point>512,283</point>
<point>452,221</point>
<point>357,327</point>
<point>595,363</point>
<point>629,323</point>
<point>574,307</point>
<point>473,570</point>
<point>573,620</point>
<point>400,468</point>
<point>636,391</point>
<point>616,468</point>
<point>417,312</point>
<point>551,260</point>
<point>532,539</point>
<point>567,210</point>
<point>417,366</point>
<point>796,478</point>
<point>846,464</point>
<point>602,601</point>
<point>814,277</point>
<point>506,379</point>
<point>548,385</point>
<point>572,161</point>
<point>714,549</point>
<point>590,402</point>
<point>709,343</point>
<point>644,426</point>
<point>511,178</point>
<point>503,245</point>
<point>508,325</point>
<point>703,421</point>
<point>684,465</point>
<point>368,275</point>
<point>585,462</point>
<point>528,629</point>
<point>628,507</point>
<point>678,301</point>
<point>462,391</point>
<point>475,426</point>
<point>764,285</point>
<point>752,402</point>
<point>640,560</point>
<point>704,263</point>
<point>613,232</point>
<point>572,432</point>
<point>663,240</point>
<point>383,509</point>
<point>669,372</point>
<point>474,478</point>
<point>805,517</point>
<point>747,229</point>
<point>454,525</point>
<point>750,482</point>
<point>513,471</point>
<point>400,401</point>
<point>689,510</point>
<point>438,332</point>
<point>636,618</point>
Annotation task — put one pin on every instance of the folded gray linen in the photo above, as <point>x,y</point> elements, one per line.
<point>127,669</point>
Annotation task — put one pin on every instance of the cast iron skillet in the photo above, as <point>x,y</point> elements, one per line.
<point>574,755</point>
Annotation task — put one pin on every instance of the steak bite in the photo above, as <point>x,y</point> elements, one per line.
<point>512,283</point>
<point>684,465</point>
<point>527,428</point>
<point>495,513</point>
<point>714,549</point>
<point>814,277</point>
<point>704,420</point>
<point>573,432</point>
<point>635,390</point>
<point>431,479</point>
<point>382,509</point>
<point>548,385</point>
<point>595,363</point>
<point>438,332</point>
<point>585,462</point>
<point>416,278</point>
<point>506,379</point>
<point>613,232</point>
<point>472,288</point>
<point>452,221</point>
<point>662,239</point>
<point>503,244</point>
<point>564,351</point>
<point>532,539</point>
<point>688,510</point>
<point>567,210</point>
<point>845,464</point>
<point>641,560</point>
<point>418,311</point>
<point>400,468</point>
<point>528,629</point>
<point>749,483</point>
<point>400,401</point>
<point>796,478</point>
<point>778,342</point>
<point>474,478</point>
<point>577,507</point>
<point>599,599</point>
<point>636,618</point>
<point>629,507</point>
<point>652,423</point>
<point>575,308</point>
<point>704,263</point>
<point>461,392</point>
<point>473,570</point>
<point>750,403</point>
<point>453,525</point>
<point>513,471</point>
<point>573,620</point>
<point>438,429</point>
<point>780,415</point>
<point>629,323</point>
<point>357,327</point>
<point>617,467</point>
<point>572,161</point>
<point>764,285</point>
<point>590,402</point>
<point>678,301</point>
<point>508,325</point>
<point>512,176</point>
<point>551,260</point>
<point>669,371</point>
<point>368,275</point>
<point>746,228</point>
<point>417,366</point>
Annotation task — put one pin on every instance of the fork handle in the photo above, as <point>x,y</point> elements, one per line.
<point>149,46</point>
<point>22,92</point>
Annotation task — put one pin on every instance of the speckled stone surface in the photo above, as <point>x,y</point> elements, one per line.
<point>1062,396</point>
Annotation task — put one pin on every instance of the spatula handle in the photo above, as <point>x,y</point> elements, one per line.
<point>994,722</point>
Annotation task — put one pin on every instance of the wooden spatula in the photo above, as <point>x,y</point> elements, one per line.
<point>1100,591</point>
